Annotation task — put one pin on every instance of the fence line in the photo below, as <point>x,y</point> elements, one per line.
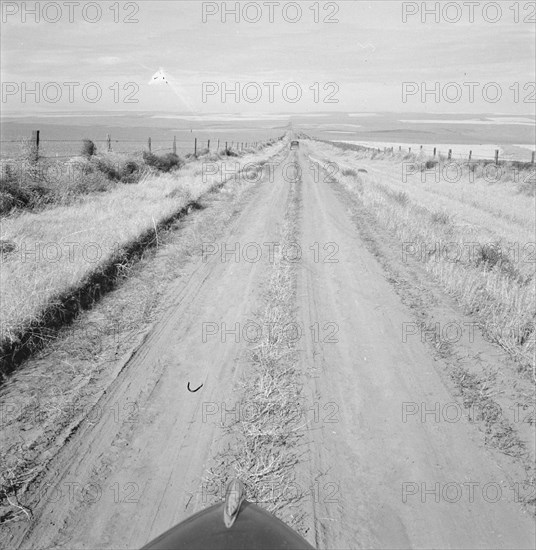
<point>436,152</point>
<point>35,142</point>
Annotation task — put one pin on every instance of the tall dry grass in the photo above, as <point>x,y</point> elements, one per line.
<point>475,237</point>
<point>56,249</point>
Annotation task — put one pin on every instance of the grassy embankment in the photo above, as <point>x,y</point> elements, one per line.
<point>472,229</point>
<point>471,235</point>
<point>65,237</point>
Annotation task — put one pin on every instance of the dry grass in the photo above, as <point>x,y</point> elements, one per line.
<point>51,395</point>
<point>264,446</point>
<point>14,477</point>
<point>30,182</point>
<point>27,184</point>
<point>495,288</point>
<point>477,396</point>
<point>473,237</point>
<point>59,248</point>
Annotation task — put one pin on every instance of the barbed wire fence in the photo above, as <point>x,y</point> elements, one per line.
<point>36,145</point>
<point>434,152</point>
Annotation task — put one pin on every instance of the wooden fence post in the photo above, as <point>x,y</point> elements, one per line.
<point>410,149</point>
<point>532,160</point>
<point>149,144</point>
<point>450,154</point>
<point>435,148</point>
<point>35,145</point>
<point>174,145</point>
<point>218,148</point>
<point>109,142</point>
<point>226,146</point>
<point>496,156</point>
<point>208,144</point>
<point>195,148</point>
<point>470,154</point>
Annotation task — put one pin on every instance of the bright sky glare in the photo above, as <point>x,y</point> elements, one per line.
<point>364,61</point>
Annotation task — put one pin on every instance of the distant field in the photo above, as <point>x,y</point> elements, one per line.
<point>61,133</point>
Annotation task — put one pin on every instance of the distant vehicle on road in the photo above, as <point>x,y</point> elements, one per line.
<point>294,144</point>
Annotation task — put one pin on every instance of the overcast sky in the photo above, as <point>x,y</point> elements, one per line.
<point>368,54</point>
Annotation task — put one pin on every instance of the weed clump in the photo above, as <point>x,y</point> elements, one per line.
<point>89,149</point>
<point>228,152</point>
<point>164,163</point>
<point>429,164</point>
<point>6,247</point>
<point>28,185</point>
<point>21,189</point>
<point>122,170</point>
<point>401,197</point>
<point>440,218</point>
<point>490,257</point>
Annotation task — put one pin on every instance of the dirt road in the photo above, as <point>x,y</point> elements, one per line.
<point>385,476</point>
